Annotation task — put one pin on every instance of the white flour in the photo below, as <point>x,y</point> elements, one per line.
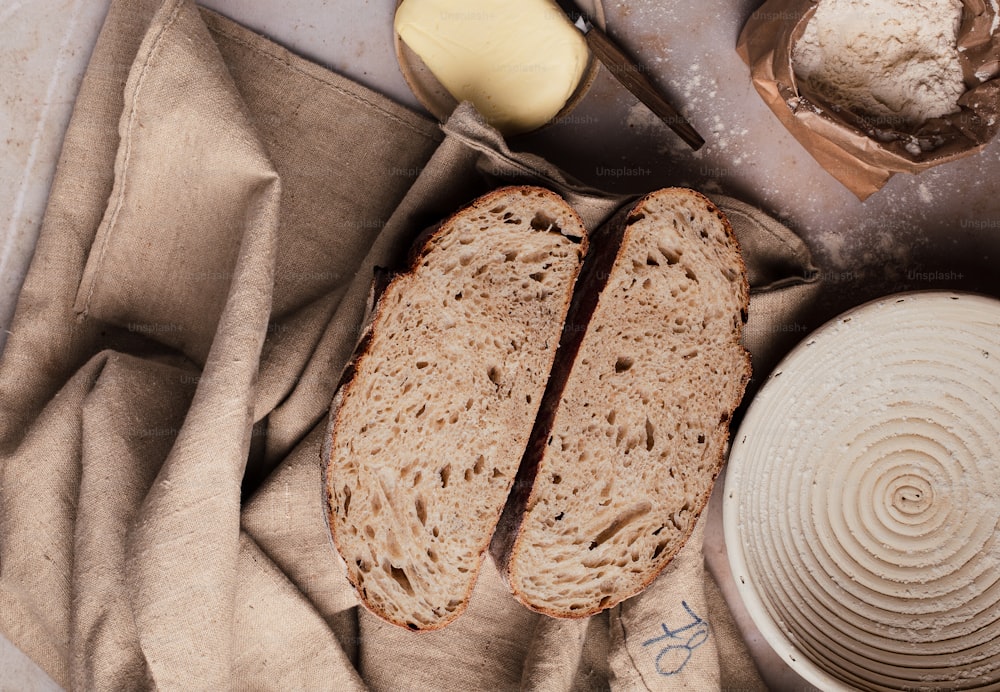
<point>892,60</point>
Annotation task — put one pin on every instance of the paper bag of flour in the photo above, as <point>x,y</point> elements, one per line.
<point>860,145</point>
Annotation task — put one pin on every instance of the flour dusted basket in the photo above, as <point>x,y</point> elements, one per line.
<point>862,499</point>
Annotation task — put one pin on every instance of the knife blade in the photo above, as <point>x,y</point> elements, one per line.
<point>630,74</point>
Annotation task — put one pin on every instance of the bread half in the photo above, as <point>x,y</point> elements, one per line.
<point>432,419</point>
<point>634,425</point>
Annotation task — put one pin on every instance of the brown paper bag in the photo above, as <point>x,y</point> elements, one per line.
<point>863,153</point>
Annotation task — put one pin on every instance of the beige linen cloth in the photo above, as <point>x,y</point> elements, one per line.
<point>203,269</point>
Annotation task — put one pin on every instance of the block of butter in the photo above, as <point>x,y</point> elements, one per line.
<point>517,61</point>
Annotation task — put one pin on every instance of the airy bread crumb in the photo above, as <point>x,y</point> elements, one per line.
<point>630,441</point>
<point>429,429</point>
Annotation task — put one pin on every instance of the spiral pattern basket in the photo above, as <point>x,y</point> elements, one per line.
<point>862,498</point>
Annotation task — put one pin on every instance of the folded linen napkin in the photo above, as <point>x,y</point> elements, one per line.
<point>202,271</point>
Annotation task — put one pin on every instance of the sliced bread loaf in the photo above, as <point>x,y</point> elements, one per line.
<point>433,416</point>
<point>634,424</point>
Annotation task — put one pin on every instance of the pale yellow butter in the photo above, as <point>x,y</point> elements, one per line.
<point>517,61</point>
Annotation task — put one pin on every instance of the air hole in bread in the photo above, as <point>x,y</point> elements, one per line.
<point>416,478</point>
<point>392,546</point>
<point>650,435</point>
<point>445,473</point>
<point>510,256</point>
<point>672,256</point>
<point>620,436</point>
<point>494,374</point>
<point>689,273</point>
<point>347,499</point>
<point>675,519</point>
<point>651,261</point>
<point>497,209</point>
<point>420,412</point>
<point>514,221</point>
<point>537,276</point>
<point>478,466</point>
<point>369,531</point>
<point>556,479</point>
<point>620,522</point>
<point>535,257</point>
<point>421,510</point>
<point>544,222</point>
<point>623,364</point>
<point>421,364</point>
<point>467,475</point>
<point>560,516</point>
<point>612,415</point>
<point>701,439</point>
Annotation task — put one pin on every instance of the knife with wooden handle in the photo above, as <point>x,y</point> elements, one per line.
<point>630,74</point>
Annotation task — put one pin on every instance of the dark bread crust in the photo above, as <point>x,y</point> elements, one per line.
<point>594,278</point>
<point>422,245</point>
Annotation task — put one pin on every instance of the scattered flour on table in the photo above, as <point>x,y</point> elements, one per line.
<point>891,59</point>
<point>649,125</point>
<point>926,196</point>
